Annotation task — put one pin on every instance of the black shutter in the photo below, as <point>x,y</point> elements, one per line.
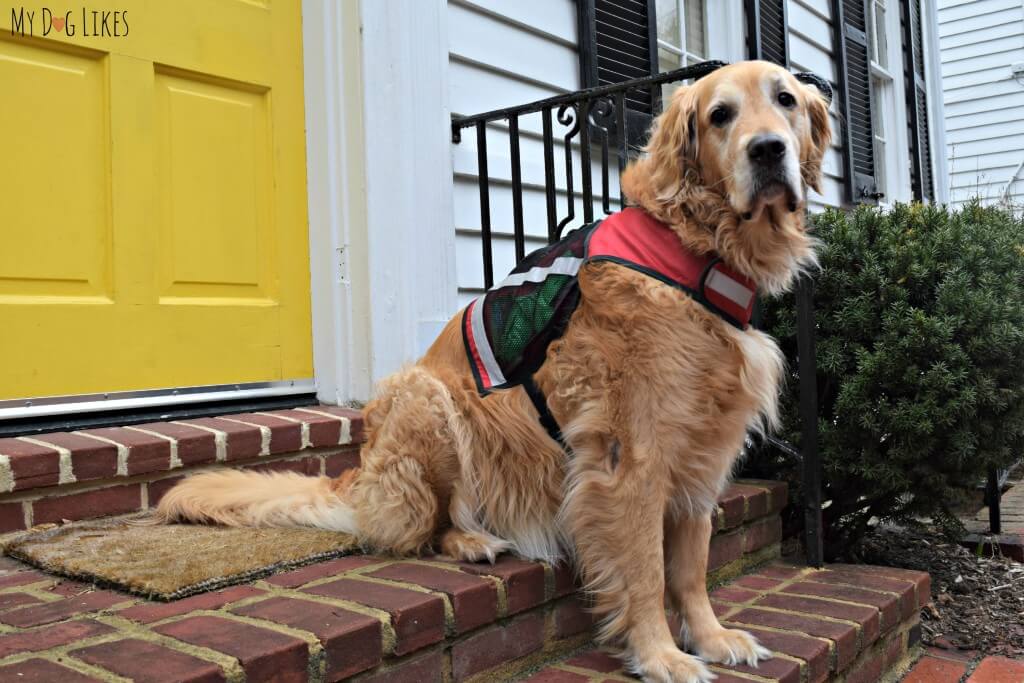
<point>914,85</point>
<point>767,30</point>
<point>619,42</point>
<point>850,25</point>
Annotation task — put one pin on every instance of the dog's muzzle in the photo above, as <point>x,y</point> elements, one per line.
<point>770,179</point>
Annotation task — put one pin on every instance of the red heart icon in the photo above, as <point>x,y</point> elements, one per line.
<point>58,23</point>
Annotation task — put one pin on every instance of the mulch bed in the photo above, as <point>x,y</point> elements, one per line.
<point>977,602</point>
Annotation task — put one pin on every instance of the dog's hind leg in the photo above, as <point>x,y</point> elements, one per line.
<point>405,465</point>
<point>687,538</point>
<point>468,540</point>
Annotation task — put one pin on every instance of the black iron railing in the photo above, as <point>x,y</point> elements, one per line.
<point>598,123</point>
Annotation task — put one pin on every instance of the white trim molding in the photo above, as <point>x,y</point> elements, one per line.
<point>382,248</point>
<point>936,106</point>
<point>336,191</point>
<point>411,241</point>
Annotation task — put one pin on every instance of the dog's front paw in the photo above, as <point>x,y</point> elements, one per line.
<point>731,646</point>
<point>671,666</point>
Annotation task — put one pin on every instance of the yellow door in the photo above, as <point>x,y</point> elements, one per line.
<point>153,225</point>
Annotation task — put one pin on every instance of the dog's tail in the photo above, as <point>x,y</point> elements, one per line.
<point>279,499</point>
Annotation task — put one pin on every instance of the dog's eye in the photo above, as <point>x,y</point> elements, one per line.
<point>720,116</point>
<point>786,100</point>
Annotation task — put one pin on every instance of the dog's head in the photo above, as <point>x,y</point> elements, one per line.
<point>749,132</point>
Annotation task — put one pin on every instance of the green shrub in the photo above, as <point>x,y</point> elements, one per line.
<point>920,353</point>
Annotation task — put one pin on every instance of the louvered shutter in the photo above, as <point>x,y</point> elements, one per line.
<point>914,83</point>
<point>619,42</point>
<point>852,58</point>
<point>767,31</point>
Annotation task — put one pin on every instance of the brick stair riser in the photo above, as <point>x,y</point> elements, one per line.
<point>100,472</point>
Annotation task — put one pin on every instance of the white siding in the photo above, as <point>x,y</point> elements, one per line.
<point>979,40</point>
<point>503,54</point>
<point>810,49</point>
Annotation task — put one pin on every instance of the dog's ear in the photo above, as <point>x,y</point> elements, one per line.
<point>820,135</point>
<point>657,177</point>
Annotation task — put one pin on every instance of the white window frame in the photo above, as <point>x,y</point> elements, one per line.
<point>892,167</point>
<point>680,50</point>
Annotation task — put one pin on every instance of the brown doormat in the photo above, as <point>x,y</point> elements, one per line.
<point>166,562</point>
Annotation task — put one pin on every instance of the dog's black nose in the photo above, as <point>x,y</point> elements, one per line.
<point>766,150</point>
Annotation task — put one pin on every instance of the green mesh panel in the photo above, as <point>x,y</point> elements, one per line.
<point>525,318</point>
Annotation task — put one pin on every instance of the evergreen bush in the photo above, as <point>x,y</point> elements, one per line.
<point>920,362</point>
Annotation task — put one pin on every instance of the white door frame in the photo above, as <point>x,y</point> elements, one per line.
<point>382,246</point>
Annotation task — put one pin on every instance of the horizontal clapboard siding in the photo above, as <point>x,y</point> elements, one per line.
<point>810,49</point>
<point>503,54</point>
<point>979,40</point>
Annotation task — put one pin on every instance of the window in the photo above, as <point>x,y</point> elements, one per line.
<point>881,94</point>
<point>682,35</point>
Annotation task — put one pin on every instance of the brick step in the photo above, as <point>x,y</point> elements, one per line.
<point>381,619</point>
<point>851,623</point>
<point>47,478</point>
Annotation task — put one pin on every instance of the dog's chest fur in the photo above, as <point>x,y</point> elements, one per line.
<point>681,385</point>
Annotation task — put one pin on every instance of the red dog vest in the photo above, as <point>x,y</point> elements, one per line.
<point>507,330</point>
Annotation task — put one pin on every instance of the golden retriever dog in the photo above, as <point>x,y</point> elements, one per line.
<point>654,394</point>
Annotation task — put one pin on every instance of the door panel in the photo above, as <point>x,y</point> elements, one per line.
<point>154,228</point>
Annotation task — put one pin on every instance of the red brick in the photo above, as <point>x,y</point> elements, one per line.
<point>145,662</point>
<point>70,587</point>
<point>46,613</point>
<point>757,583</point>
<point>12,517</point>
<point>21,578</point>
<point>778,493</point>
<point>998,670</point>
<point>524,581</point>
<point>320,570</point>
<point>42,671</point>
<point>355,418</point>
<point>159,488</point>
<point>323,430</point>
<point>732,503</point>
<point>309,466</point>
<point>32,466</point>
<point>149,612</point>
<point>418,618</point>
<point>867,671</point>
<point>596,660</point>
<point>572,616</point>
<point>755,500</point>
<point>474,600</point>
<point>762,534</point>
<point>886,603</point>
<point>733,593</point>
<point>90,458</point>
<point>243,441</point>
<point>12,600</point>
<point>934,670</point>
<point>556,676</point>
<point>813,651</point>
<point>776,668</point>
<point>50,636</point>
<point>113,500</point>
<point>497,645</point>
<point>351,641</point>
<point>565,579</point>
<point>843,635</point>
<point>336,463</point>
<point>428,667</point>
<point>865,617</point>
<point>725,548</point>
<point>921,579</point>
<point>726,677</point>
<point>894,650</point>
<point>195,446</point>
<point>146,453</point>
<point>285,436</point>
<point>904,590</point>
<point>264,655</point>
<point>780,571</point>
